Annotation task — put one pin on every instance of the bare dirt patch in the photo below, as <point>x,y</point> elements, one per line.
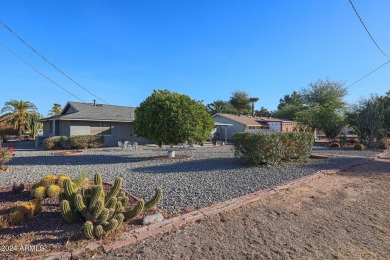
<point>344,216</point>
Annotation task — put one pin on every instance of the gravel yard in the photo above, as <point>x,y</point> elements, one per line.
<point>211,174</point>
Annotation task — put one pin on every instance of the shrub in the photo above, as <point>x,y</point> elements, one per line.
<point>86,141</point>
<point>7,130</point>
<point>358,147</point>
<point>65,142</point>
<point>272,148</point>
<point>384,144</point>
<point>52,143</point>
<point>5,156</point>
<point>335,145</point>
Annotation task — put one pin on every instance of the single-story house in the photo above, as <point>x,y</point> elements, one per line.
<point>237,124</point>
<point>115,123</point>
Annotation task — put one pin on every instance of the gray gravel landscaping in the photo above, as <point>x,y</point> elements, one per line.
<point>212,174</point>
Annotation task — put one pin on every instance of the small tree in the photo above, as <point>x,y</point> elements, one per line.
<point>171,118</point>
<point>367,119</point>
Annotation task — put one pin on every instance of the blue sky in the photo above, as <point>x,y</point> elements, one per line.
<point>122,50</point>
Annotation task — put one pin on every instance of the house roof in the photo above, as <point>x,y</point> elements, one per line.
<point>242,119</point>
<point>90,112</point>
<point>271,119</point>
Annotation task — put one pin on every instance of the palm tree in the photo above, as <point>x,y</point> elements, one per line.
<point>55,110</point>
<point>17,113</point>
<point>253,100</point>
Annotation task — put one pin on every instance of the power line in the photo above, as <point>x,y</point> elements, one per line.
<point>43,75</point>
<point>63,73</point>
<point>365,76</point>
<point>372,38</point>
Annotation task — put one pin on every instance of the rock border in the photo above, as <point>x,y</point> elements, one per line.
<point>174,223</point>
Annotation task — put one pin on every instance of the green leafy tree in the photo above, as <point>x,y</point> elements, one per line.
<point>289,106</point>
<point>367,118</point>
<point>171,118</point>
<point>17,113</point>
<point>294,99</point>
<point>55,110</point>
<point>252,101</point>
<point>240,101</point>
<point>331,123</point>
<point>220,106</point>
<point>321,97</point>
<point>263,112</point>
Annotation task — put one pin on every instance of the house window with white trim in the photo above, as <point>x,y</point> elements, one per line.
<point>100,128</point>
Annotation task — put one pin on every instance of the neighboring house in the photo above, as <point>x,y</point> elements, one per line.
<point>115,123</point>
<point>238,124</point>
<point>243,123</point>
<point>279,125</point>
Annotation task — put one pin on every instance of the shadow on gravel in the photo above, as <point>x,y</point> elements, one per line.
<point>75,160</point>
<point>193,166</point>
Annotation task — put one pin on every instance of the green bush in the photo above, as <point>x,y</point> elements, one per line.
<point>52,143</point>
<point>272,148</point>
<point>65,142</point>
<point>86,141</point>
<point>335,145</point>
<point>358,147</point>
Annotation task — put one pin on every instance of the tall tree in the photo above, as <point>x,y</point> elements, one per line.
<point>220,106</point>
<point>322,97</point>
<point>263,112</point>
<point>55,110</point>
<point>240,101</point>
<point>252,101</point>
<point>294,99</point>
<point>289,106</point>
<point>17,113</point>
<point>171,118</point>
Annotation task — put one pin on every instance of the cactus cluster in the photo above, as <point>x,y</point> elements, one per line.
<point>50,186</point>
<point>101,212</point>
<point>19,212</point>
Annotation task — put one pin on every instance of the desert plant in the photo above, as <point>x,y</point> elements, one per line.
<point>272,148</point>
<point>50,186</point>
<point>335,145</point>
<point>101,213</point>
<point>359,147</point>
<point>5,156</point>
<point>18,212</point>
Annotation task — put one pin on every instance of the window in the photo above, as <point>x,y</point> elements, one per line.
<point>100,128</point>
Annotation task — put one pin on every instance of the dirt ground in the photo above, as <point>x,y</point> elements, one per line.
<point>344,216</point>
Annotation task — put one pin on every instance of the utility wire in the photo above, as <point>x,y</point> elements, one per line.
<point>365,27</point>
<point>63,73</point>
<point>365,76</point>
<point>43,75</point>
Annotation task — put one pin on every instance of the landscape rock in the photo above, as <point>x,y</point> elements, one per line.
<point>151,219</point>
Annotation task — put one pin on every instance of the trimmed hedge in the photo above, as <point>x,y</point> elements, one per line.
<point>273,148</point>
<point>73,142</point>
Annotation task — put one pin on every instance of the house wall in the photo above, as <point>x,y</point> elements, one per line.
<point>46,128</point>
<point>289,126</point>
<point>235,128</point>
<point>275,126</point>
<point>65,128</point>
